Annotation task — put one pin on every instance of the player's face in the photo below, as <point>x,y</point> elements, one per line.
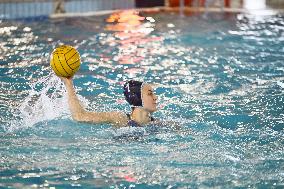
<point>149,98</point>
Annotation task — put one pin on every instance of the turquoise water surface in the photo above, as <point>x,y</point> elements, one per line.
<point>219,75</point>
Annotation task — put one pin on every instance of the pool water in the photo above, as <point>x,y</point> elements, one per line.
<point>220,76</point>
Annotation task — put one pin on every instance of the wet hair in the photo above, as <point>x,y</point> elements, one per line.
<point>132,93</point>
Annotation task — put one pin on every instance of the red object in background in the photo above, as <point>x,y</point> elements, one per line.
<point>175,3</point>
<point>201,3</point>
<point>227,3</point>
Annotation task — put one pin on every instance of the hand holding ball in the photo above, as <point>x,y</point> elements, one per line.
<point>65,61</point>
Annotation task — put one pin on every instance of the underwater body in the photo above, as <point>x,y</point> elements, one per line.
<point>219,75</point>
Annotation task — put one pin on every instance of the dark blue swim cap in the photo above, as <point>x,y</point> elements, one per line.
<point>132,92</point>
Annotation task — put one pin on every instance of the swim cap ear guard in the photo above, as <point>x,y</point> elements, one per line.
<point>132,93</point>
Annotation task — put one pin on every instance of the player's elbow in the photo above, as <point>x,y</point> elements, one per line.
<point>77,117</point>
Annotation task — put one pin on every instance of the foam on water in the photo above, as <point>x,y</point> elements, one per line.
<point>46,103</point>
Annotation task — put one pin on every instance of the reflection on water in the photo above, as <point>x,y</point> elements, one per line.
<point>221,78</point>
<point>132,33</point>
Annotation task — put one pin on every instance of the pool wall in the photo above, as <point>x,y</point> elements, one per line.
<point>15,9</point>
<point>21,9</point>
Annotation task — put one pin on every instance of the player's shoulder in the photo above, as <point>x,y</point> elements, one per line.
<point>118,118</point>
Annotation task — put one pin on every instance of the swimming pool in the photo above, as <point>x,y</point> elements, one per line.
<point>220,75</point>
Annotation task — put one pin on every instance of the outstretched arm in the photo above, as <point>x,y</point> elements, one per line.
<point>80,114</point>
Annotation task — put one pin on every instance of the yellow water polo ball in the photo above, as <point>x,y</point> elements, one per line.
<point>65,61</point>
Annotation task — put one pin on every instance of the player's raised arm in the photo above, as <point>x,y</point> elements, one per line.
<point>65,62</point>
<point>80,114</point>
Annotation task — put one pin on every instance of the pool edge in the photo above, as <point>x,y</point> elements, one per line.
<point>169,9</point>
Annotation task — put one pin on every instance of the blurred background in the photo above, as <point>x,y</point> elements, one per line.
<point>14,9</point>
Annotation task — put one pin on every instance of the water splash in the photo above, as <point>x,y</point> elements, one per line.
<point>46,101</point>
